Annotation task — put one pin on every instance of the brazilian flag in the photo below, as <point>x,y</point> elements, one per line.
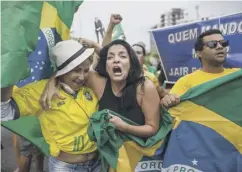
<point>207,132</point>
<point>21,22</point>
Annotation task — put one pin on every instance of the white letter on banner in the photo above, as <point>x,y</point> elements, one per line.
<point>185,35</point>
<point>185,71</point>
<point>193,33</point>
<point>178,38</point>
<point>240,27</point>
<point>171,38</point>
<point>205,28</point>
<point>232,28</point>
<point>194,54</point>
<point>224,28</point>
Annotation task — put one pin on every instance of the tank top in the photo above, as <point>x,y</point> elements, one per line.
<point>126,105</point>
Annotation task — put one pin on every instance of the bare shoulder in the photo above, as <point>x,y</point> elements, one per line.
<point>146,89</point>
<point>96,83</point>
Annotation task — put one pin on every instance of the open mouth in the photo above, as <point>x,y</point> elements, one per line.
<point>117,71</point>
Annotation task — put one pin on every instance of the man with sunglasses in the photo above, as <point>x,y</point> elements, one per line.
<point>211,48</point>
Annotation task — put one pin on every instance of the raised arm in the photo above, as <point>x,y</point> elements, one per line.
<point>92,44</point>
<point>114,20</point>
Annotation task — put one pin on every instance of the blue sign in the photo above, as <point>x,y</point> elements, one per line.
<point>176,44</point>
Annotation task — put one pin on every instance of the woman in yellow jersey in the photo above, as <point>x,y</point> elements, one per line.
<point>64,126</point>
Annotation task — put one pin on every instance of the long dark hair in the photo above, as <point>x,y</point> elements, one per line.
<point>135,75</point>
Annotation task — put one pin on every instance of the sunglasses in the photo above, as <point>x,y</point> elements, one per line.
<point>213,44</point>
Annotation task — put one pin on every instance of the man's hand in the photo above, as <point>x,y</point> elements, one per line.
<point>170,100</point>
<point>115,19</point>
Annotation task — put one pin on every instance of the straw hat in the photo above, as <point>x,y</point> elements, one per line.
<point>69,54</point>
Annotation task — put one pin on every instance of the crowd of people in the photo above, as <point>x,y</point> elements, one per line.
<point>92,77</point>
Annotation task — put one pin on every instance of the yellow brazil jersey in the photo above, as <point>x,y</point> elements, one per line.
<point>196,78</point>
<point>64,126</point>
<point>152,77</point>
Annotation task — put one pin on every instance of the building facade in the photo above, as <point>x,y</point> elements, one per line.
<point>173,17</point>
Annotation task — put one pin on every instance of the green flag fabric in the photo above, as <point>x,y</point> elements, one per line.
<point>29,128</point>
<point>118,33</point>
<point>113,145</point>
<point>21,22</point>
